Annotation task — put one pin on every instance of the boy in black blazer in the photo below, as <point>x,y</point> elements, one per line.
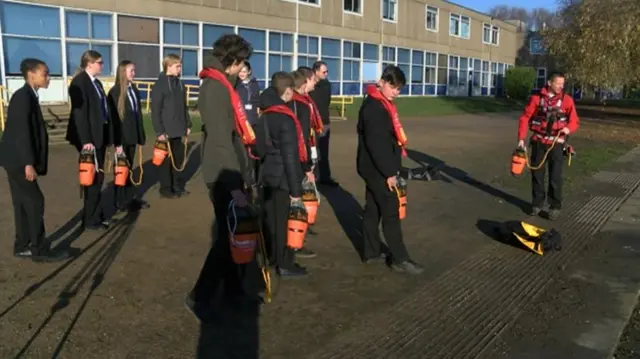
<point>24,154</point>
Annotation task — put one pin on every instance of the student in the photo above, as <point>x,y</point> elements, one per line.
<point>224,162</point>
<point>249,91</point>
<point>380,151</point>
<point>283,152</point>
<point>125,113</point>
<point>311,123</point>
<point>24,154</point>
<point>90,129</point>
<point>171,123</point>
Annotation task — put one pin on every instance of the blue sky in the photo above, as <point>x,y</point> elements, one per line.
<point>485,5</point>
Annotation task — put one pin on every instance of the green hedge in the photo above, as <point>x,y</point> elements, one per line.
<point>519,82</point>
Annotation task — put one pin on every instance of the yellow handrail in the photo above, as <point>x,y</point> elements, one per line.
<point>342,102</point>
<point>4,102</point>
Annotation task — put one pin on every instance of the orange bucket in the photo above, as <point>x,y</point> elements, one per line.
<point>518,162</point>
<point>244,235</point>
<point>87,168</point>
<point>160,152</point>
<point>401,191</point>
<point>297,225</point>
<point>121,171</point>
<point>310,201</point>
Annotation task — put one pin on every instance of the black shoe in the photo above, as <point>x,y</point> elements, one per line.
<point>553,214</point>
<point>294,272</point>
<point>139,204</point>
<point>329,182</point>
<point>168,195</point>
<point>305,253</point>
<point>535,211</point>
<point>407,266</point>
<point>24,254</point>
<point>51,257</point>
<point>377,259</point>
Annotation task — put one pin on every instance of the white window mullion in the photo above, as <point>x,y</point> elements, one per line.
<point>267,52</point>
<point>3,72</point>
<point>114,48</point>
<point>200,46</point>
<point>361,69</point>
<point>63,36</point>
<point>341,62</point>
<point>161,31</point>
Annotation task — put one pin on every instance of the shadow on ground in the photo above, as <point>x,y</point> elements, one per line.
<point>426,160</point>
<point>97,266</point>
<point>348,212</point>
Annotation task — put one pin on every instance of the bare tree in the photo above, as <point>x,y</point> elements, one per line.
<point>533,18</point>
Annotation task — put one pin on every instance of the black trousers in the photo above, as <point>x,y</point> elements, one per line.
<point>171,181</point>
<point>93,213</point>
<point>28,212</point>
<point>324,168</point>
<point>555,163</point>
<point>125,194</point>
<point>382,206</point>
<point>219,268</point>
<point>276,214</point>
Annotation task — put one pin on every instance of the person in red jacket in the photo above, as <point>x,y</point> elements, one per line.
<point>549,114</point>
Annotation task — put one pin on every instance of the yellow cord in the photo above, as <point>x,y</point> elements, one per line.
<point>139,181</point>
<point>184,160</point>
<point>544,158</point>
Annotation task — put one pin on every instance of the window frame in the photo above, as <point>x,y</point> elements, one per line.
<point>430,10</point>
<point>494,37</point>
<point>360,11</point>
<point>460,19</point>
<point>182,47</point>
<point>395,10</point>
<point>305,2</point>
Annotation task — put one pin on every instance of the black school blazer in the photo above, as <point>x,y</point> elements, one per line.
<point>129,130</point>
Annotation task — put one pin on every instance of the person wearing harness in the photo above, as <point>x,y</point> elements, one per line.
<point>224,167</point>
<point>171,123</point>
<point>551,116</point>
<point>381,146</point>
<point>281,146</point>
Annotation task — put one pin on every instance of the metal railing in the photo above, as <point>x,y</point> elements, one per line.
<point>342,102</point>
<point>4,102</point>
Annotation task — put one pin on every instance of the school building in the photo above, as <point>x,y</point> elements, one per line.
<point>445,49</point>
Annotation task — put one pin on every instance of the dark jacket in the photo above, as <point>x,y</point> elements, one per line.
<point>379,155</point>
<point>304,116</point>
<point>224,158</point>
<point>128,130</point>
<point>277,142</point>
<point>250,95</point>
<point>25,140</point>
<point>169,110</point>
<point>321,95</point>
<point>88,115</point>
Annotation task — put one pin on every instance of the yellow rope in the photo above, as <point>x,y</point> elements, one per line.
<point>139,181</point>
<point>184,159</point>
<point>544,158</point>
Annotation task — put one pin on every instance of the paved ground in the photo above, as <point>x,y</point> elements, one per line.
<point>123,296</point>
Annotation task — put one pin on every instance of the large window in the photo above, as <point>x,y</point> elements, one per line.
<point>211,33</point>
<point>430,72</point>
<point>477,76</point>
<point>308,48</point>
<point>331,56</point>
<point>353,6</point>
<point>536,47</point>
<point>31,31</point>
<point>417,72</point>
<point>443,61</point>
<point>181,38</point>
<point>431,18</point>
<point>490,34</point>
<point>459,26</point>
<point>258,60</point>
<point>404,63</point>
<point>370,56</point>
<point>389,9</point>
<point>388,56</point>
<point>86,31</point>
<point>139,42</point>
<point>280,52</point>
<point>351,53</point>
<point>484,81</point>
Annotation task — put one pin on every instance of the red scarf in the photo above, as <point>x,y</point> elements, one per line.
<point>373,91</point>
<point>316,120</point>
<point>243,128</point>
<point>283,109</point>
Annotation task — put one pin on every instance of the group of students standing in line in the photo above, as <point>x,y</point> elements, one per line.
<point>289,119</point>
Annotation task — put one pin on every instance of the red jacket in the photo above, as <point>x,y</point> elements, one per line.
<point>534,117</point>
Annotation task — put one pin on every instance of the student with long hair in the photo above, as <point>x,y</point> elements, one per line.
<point>125,114</point>
<point>24,154</point>
<point>249,91</point>
<point>225,168</point>
<point>171,122</point>
<point>90,130</point>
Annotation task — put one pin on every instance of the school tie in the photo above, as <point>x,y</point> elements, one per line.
<point>103,99</point>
